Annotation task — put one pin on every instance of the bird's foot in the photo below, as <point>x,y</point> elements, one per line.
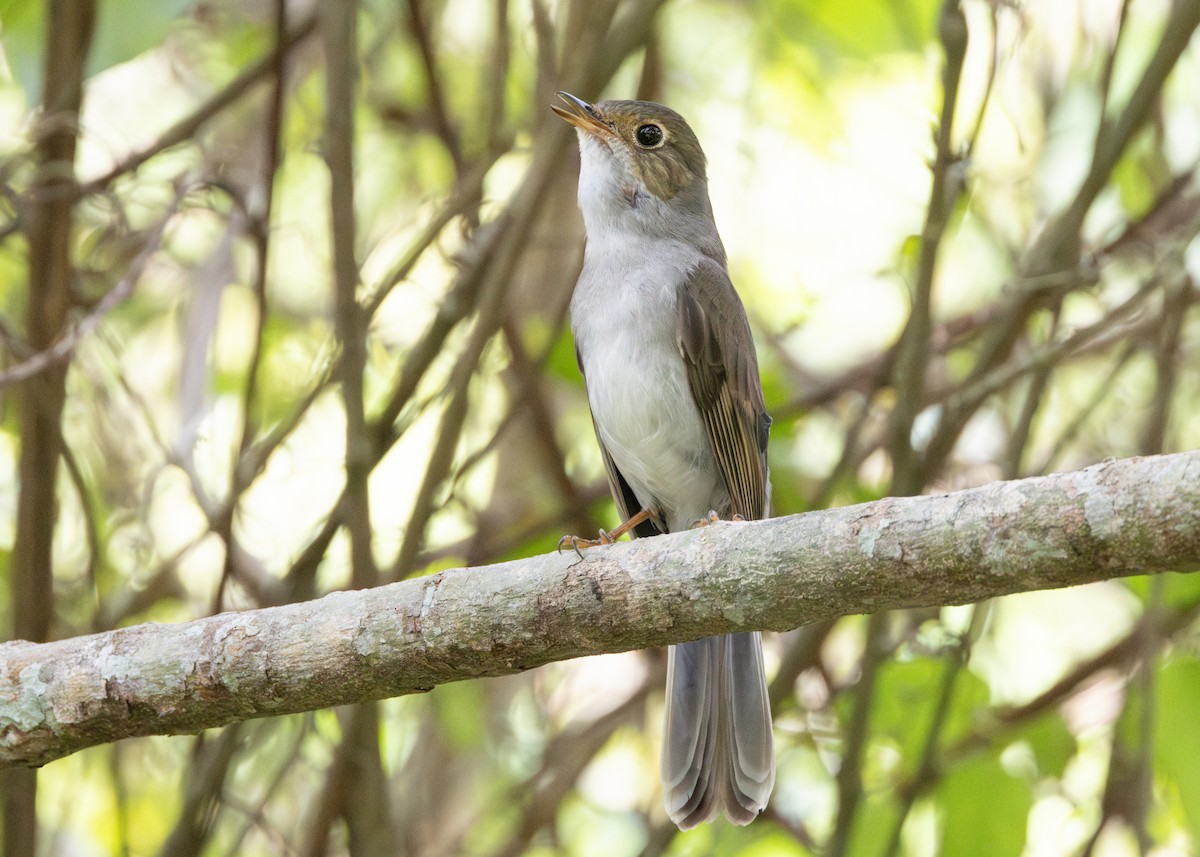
<point>578,543</point>
<point>712,518</point>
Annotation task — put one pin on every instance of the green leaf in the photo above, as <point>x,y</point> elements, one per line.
<point>971,695</point>
<point>985,811</point>
<point>905,694</point>
<point>694,843</point>
<point>126,29</point>
<point>460,713</point>
<point>866,29</point>
<point>122,31</point>
<point>561,363</point>
<point>1052,743</point>
<point>1176,738</point>
<point>873,826</point>
<point>1178,590</point>
<point>775,844</point>
<point>906,699</point>
<point>21,30</point>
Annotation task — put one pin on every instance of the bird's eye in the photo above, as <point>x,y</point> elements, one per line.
<point>649,136</point>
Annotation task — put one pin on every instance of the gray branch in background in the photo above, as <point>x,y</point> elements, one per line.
<point>1117,518</point>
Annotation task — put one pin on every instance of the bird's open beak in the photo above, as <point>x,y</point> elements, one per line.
<point>580,114</point>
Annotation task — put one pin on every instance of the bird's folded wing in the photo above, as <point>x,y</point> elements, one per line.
<point>717,349</point>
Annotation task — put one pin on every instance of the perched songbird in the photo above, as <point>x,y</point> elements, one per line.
<point>672,382</point>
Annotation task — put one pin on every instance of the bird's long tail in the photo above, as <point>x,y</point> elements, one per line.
<point>718,751</point>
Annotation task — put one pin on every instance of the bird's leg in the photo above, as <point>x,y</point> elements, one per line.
<point>577,543</point>
<point>642,516</point>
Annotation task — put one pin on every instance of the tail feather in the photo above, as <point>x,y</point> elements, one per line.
<point>718,751</point>
<point>689,749</point>
<point>749,709</point>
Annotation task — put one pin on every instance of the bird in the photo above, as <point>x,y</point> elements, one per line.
<point>671,376</point>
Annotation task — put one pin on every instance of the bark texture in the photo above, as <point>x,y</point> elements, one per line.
<point>1133,516</point>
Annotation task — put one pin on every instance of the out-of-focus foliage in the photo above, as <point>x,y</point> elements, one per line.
<point>204,430</point>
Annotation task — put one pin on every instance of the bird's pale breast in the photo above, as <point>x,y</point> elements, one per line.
<point>623,316</point>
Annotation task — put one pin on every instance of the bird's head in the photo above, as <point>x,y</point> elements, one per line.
<point>641,166</point>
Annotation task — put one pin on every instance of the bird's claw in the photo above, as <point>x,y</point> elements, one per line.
<point>578,543</point>
<point>712,517</point>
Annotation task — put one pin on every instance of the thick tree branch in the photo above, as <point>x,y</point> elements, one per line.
<point>1117,518</point>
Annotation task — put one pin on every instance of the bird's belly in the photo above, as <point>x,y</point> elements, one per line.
<point>646,418</point>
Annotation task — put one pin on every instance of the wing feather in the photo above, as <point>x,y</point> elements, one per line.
<point>718,351</point>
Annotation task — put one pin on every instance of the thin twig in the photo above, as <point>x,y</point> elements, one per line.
<point>261,235</point>
<point>66,344</point>
<point>955,659</point>
<point>433,82</point>
<point>1018,436</point>
<point>854,738</point>
<point>913,350</point>
<point>339,37</point>
<point>494,285</point>
<point>1098,396</point>
<point>186,128</point>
